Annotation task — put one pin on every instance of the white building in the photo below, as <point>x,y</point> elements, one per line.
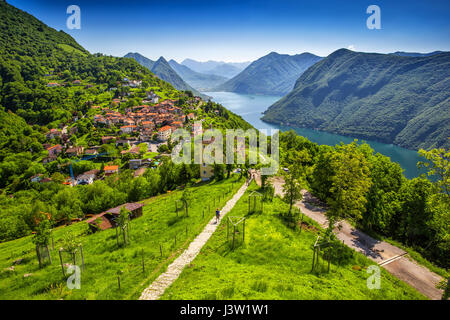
<point>86,178</point>
<point>164,133</point>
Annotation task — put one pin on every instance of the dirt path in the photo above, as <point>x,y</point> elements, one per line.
<point>157,288</point>
<point>390,257</point>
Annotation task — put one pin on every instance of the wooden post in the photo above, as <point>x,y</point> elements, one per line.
<point>186,230</point>
<point>301,223</point>
<point>118,280</point>
<point>49,256</point>
<point>234,233</point>
<point>74,257</point>
<point>117,237</point>
<point>243,232</point>
<point>318,257</point>
<point>203,213</point>
<point>175,240</point>
<point>314,258</point>
<point>329,259</point>
<point>228,222</point>
<point>82,257</point>
<point>160,248</point>
<point>62,266</point>
<point>53,243</point>
<point>143,263</point>
<point>38,253</point>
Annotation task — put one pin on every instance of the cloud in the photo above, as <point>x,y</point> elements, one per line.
<point>351,47</point>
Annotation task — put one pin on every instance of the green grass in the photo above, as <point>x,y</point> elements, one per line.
<point>150,155</point>
<point>71,49</point>
<point>275,263</point>
<point>103,259</point>
<point>420,259</point>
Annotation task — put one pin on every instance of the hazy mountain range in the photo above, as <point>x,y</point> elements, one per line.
<point>164,71</point>
<point>390,98</point>
<point>200,81</point>
<point>415,54</point>
<point>219,68</point>
<point>273,74</point>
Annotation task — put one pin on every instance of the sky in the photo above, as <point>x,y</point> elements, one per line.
<point>236,31</point>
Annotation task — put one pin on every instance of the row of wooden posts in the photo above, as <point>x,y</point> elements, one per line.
<point>316,254</point>
<point>220,197</point>
<point>126,234</point>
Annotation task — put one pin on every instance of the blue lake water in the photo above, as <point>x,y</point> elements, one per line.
<point>250,107</point>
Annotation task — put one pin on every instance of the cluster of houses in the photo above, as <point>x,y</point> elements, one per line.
<point>141,124</point>
<point>145,120</point>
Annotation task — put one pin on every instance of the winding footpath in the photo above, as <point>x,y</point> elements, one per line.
<point>392,258</point>
<point>157,288</point>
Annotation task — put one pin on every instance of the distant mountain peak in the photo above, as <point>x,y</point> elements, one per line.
<point>161,59</point>
<point>164,71</point>
<point>273,74</point>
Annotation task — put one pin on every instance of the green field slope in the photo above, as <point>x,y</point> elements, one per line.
<point>275,263</point>
<point>104,259</point>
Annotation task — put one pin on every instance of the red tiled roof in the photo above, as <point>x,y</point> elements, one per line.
<point>165,128</point>
<point>110,168</point>
<point>53,147</point>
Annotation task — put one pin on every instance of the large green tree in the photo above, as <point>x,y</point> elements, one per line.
<point>349,184</point>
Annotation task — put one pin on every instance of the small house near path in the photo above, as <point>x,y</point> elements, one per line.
<point>107,219</point>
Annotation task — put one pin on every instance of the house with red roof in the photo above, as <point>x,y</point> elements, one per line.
<point>109,170</point>
<point>54,150</point>
<point>128,129</point>
<point>164,133</point>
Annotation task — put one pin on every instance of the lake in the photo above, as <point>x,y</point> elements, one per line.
<point>250,107</point>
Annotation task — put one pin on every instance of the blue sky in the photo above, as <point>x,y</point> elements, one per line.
<point>246,30</point>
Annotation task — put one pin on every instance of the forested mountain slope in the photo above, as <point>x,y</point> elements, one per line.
<point>164,71</point>
<point>272,74</point>
<point>389,98</point>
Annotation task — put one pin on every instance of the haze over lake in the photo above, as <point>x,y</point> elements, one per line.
<point>250,107</point>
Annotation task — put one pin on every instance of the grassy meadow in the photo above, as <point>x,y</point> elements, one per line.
<point>104,260</point>
<point>275,262</point>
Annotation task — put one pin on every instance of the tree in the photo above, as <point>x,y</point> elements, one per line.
<point>269,191</point>
<point>382,198</point>
<point>186,197</point>
<point>349,184</point>
<point>163,148</point>
<point>68,204</point>
<point>42,236</point>
<point>439,166</point>
<point>70,244</point>
<point>219,171</point>
<point>184,173</point>
<point>291,188</point>
<point>122,222</point>
<point>229,167</point>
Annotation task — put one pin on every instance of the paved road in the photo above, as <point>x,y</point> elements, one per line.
<point>390,257</point>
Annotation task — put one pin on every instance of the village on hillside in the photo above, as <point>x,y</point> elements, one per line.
<point>136,138</point>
